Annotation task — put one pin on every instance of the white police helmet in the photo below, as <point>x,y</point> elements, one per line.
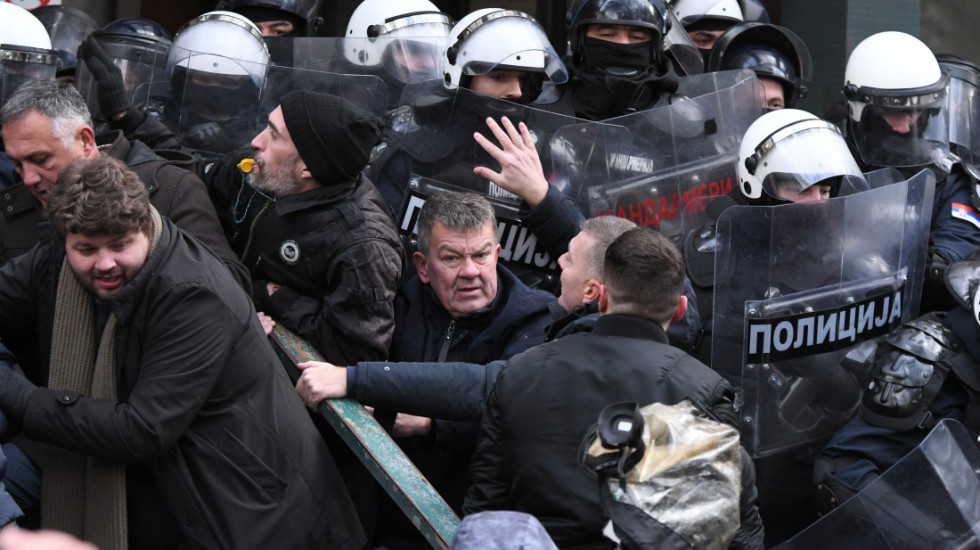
<point>498,39</point>
<point>785,152</point>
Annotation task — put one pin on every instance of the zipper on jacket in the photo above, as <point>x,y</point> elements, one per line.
<point>251,230</point>
<point>446,340</point>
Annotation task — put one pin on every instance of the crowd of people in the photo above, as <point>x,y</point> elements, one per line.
<point>504,249</point>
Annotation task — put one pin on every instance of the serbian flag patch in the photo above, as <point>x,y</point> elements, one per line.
<point>966,213</point>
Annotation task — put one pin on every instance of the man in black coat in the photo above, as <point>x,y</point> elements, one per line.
<point>166,418</point>
<point>546,399</point>
<point>323,252</point>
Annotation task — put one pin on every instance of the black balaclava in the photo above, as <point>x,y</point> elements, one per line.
<point>629,81</point>
<point>261,14</point>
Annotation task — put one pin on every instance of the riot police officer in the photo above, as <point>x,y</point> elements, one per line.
<point>277,18</point>
<point>776,165</point>
<point>779,58</point>
<point>67,27</point>
<point>896,101</point>
<point>706,20</point>
<point>216,69</point>
<point>25,47</point>
<point>494,63</point>
<point>138,47</point>
<point>924,371</point>
<point>617,58</point>
<point>25,54</point>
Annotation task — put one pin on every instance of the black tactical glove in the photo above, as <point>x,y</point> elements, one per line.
<point>113,99</point>
<point>938,263</point>
<point>15,390</point>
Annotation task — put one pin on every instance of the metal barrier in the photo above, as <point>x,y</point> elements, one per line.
<point>374,447</point>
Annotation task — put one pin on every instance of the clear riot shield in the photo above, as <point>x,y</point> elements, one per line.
<point>18,64</point>
<point>143,64</point>
<point>432,136</point>
<point>928,499</point>
<point>519,248</point>
<point>662,166</point>
<point>796,286</point>
<point>216,114</point>
<point>396,62</point>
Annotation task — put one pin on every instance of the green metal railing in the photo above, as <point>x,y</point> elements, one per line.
<point>374,447</point>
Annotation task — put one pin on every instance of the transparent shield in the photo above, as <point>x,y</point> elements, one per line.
<point>218,113</point>
<point>432,136</point>
<point>963,106</point>
<point>926,500</point>
<point>394,61</point>
<point>19,69</point>
<point>798,285</point>
<point>143,68</point>
<point>661,167</point>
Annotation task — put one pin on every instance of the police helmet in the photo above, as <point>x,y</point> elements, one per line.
<point>896,95</point>
<point>379,31</point>
<point>771,51</point>
<point>777,160</point>
<point>498,39</point>
<point>647,14</point>
<point>25,49</point>
<point>67,27</point>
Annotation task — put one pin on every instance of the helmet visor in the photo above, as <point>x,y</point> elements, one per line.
<point>901,137</point>
<point>517,43</point>
<point>963,106</point>
<point>413,59</point>
<point>791,164</point>
<point>20,65</point>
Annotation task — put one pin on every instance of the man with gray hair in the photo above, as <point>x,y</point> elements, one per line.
<point>460,306</point>
<point>457,390</point>
<point>47,125</point>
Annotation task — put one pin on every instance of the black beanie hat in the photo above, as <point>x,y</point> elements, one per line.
<point>334,137</point>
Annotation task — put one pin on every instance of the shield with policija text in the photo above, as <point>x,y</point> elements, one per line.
<point>796,286</point>
<point>661,167</point>
<point>520,250</point>
<point>928,499</point>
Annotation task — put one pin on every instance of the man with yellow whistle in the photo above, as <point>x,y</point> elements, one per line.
<point>324,255</point>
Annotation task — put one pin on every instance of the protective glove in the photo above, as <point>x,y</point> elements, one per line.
<point>113,99</point>
<point>203,135</point>
<point>938,263</point>
<point>15,390</point>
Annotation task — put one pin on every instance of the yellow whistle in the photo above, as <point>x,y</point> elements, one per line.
<point>246,165</point>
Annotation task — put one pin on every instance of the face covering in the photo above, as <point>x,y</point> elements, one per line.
<point>624,60</point>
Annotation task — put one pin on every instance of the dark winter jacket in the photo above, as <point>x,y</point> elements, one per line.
<point>547,398</point>
<point>203,403</point>
<point>334,250</point>
<point>447,391</point>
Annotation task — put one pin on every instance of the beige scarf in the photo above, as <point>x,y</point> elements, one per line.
<point>80,494</point>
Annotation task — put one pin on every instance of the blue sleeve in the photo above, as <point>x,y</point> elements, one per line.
<point>955,227</point>
<point>9,511</point>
